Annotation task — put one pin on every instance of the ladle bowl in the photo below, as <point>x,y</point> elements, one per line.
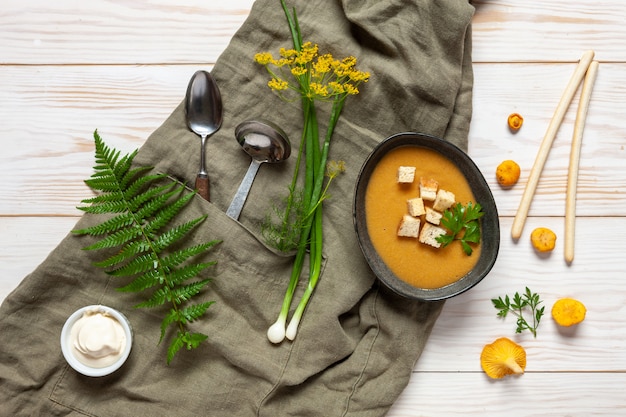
<point>264,142</point>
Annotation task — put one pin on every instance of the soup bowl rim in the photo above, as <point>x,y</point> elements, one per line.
<point>490,226</point>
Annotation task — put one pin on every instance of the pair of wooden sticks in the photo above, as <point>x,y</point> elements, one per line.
<point>586,69</point>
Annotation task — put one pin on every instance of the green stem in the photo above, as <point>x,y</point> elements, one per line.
<point>315,219</point>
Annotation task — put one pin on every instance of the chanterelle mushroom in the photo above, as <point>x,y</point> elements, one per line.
<point>503,357</point>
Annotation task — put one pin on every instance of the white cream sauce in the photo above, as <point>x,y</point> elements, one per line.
<point>97,339</point>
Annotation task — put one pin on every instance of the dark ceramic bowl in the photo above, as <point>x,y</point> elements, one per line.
<point>490,226</point>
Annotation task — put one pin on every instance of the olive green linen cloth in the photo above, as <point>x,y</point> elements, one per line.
<point>357,343</point>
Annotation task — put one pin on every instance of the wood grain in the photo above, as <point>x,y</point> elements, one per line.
<point>69,67</point>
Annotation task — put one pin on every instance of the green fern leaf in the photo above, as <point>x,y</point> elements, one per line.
<point>194,312</point>
<point>105,198</point>
<point>180,256</point>
<point>149,196</point>
<point>142,282</point>
<point>155,204</point>
<point>125,254</point>
<point>175,234</point>
<point>184,293</point>
<point>164,216</point>
<point>136,185</point>
<point>158,298</point>
<point>172,317</point>
<point>105,207</point>
<point>112,225</point>
<point>186,339</point>
<point>138,265</point>
<point>138,205</point>
<point>119,238</point>
<point>177,343</point>
<point>136,173</point>
<point>186,272</point>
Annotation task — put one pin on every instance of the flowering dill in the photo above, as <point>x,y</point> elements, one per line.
<point>305,74</point>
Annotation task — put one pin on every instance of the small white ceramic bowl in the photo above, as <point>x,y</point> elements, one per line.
<point>67,350</point>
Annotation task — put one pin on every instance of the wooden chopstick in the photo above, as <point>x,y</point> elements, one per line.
<point>546,144</point>
<point>574,158</point>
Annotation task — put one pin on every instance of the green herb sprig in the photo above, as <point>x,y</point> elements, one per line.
<point>140,206</point>
<point>303,73</point>
<point>462,222</point>
<point>517,306</point>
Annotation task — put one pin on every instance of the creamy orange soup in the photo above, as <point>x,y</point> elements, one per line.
<point>386,202</point>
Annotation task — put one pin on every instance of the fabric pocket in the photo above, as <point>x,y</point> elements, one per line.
<point>233,371</point>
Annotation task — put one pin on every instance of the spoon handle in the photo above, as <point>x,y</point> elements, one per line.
<point>242,192</point>
<point>202,185</point>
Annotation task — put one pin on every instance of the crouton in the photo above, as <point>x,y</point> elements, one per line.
<point>416,207</point>
<point>428,188</point>
<point>429,234</point>
<point>444,200</point>
<point>433,216</point>
<point>406,175</point>
<point>409,227</point>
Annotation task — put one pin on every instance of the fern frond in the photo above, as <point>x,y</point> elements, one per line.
<point>138,265</point>
<point>131,176</point>
<point>170,318</point>
<point>156,203</point>
<point>164,216</point>
<point>190,340</point>
<point>122,167</point>
<point>139,199</point>
<point>106,184</point>
<point>194,312</point>
<point>126,253</point>
<point>167,238</point>
<point>177,295</point>
<point>109,226</point>
<point>177,343</point>
<point>142,204</point>
<point>142,282</point>
<point>184,293</point>
<point>105,198</point>
<point>106,207</point>
<point>158,298</point>
<point>119,238</point>
<point>187,315</point>
<point>178,257</point>
<point>186,272</point>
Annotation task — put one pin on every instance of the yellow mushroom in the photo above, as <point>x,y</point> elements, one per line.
<point>515,122</point>
<point>503,357</point>
<point>567,312</point>
<point>543,239</point>
<point>507,173</point>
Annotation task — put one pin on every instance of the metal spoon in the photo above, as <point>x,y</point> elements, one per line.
<point>264,142</point>
<point>203,112</point>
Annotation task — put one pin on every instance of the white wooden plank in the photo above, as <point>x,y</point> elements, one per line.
<point>25,242</point>
<point>50,113</point>
<point>194,31</point>
<point>468,321</point>
<point>534,90</point>
<point>532,394</point>
<point>128,32</point>
<point>548,31</point>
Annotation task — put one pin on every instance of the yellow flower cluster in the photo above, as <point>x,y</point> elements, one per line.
<point>313,75</point>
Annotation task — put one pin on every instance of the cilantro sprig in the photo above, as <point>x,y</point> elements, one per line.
<point>517,306</point>
<point>462,222</point>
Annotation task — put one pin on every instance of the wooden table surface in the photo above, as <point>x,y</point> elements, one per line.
<point>68,66</point>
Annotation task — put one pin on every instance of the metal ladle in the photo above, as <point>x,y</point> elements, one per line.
<point>203,112</point>
<point>264,142</point>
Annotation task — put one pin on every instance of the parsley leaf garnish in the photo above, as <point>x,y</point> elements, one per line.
<point>462,222</point>
<point>517,306</point>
